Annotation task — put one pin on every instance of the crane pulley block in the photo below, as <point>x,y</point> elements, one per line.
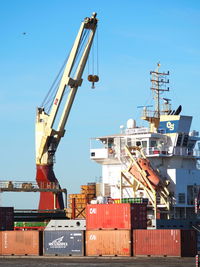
<point>75,83</point>
<point>90,23</point>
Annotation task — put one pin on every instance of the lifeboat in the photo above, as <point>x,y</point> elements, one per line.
<point>151,174</point>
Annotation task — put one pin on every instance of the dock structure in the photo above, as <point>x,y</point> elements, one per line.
<point>32,186</point>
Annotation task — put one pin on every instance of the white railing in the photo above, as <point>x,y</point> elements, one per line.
<point>177,151</point>
<point>112,153</point>
<point>183,151</point>
<point>155,151</point>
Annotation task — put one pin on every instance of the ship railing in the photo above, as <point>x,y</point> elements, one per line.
<point>184,151</point>
<point>155,151</point>
<point>177,151</point>
<point>48,185</point>
<point>113,153</point>
<point>152,113</point>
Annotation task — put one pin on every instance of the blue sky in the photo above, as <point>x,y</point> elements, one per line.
<point>132,36</point>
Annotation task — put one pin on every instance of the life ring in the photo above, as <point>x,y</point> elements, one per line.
<point>110,151</point>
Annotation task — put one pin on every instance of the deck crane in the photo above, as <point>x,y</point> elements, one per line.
<point>48,138</point>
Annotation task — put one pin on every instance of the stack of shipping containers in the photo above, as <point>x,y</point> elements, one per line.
<point>17,242</point>
<point>77,202</point>
<point>109,228</point>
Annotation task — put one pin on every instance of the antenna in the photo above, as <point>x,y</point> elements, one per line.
<point>148,106</point>
<point>166,100</point>
<point>159,85</point>
<point>121,128</point>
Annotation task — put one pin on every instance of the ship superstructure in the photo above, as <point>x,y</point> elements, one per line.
<point>159,162</point>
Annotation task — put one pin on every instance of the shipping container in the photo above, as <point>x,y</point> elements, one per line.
<point>0,242</point>
<point>77,196</point>
<point>116,216</point>
<point>67,243</point>
<point>6,218</point>
<point>30,224</point>
<point>88,189</point>
<point>180,243</point>
<point>21,242</point>
<point>55,225</point>
<point>108,243</point>
<point>172,223</point>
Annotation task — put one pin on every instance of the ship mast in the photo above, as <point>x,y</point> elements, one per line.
<point>159,83</point>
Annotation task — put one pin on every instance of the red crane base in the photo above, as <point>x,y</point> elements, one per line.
<point>45,178</point>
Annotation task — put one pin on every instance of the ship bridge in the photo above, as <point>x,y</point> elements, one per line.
<point>107,149</point>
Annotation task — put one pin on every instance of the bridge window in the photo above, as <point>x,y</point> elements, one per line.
<point>179,140</point>
<point>144,144</point>
<point>181,198</point>
<point>185,140</point>
<point>153,143</point>
<point>129,143</point>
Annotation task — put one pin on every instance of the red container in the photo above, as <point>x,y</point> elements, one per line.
<point>116,216</point>
<point>6,218</point>
<point>180,243</point>
<point>108,243</point>
<point>21,243</point>
<point>0,243</point>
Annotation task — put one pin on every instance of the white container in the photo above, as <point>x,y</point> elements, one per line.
<point>66,225</point>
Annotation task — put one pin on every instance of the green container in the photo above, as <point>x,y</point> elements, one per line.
<point>30,224</point>
<point>136,200</point>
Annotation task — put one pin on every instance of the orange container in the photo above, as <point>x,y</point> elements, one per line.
<point>88,191</point>
<point>77,196</point>
<point>21,243</point>
<point>108,243</point>
<point>168,242</point>
<point>86,187</point>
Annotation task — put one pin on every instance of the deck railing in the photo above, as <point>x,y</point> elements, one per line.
<point>176,151</point>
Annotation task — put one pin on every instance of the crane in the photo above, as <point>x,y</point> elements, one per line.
<point>47,138</point>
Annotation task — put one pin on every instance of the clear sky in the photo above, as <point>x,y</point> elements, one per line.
<point>132,36</point>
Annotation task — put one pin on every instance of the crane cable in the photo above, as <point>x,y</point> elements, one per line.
<point>97,52</point>
<point>46,99</point>
<point>94,77</point>
<point>82,43</point>
<point>54,87</point>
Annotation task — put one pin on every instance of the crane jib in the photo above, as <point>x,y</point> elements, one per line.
<point>48,138</point>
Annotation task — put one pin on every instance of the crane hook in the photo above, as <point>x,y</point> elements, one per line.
<point>93,79</point>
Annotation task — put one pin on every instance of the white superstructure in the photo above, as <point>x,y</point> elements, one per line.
<point>171,149</point>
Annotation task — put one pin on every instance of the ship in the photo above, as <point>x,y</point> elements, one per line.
<point>159,162</point>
